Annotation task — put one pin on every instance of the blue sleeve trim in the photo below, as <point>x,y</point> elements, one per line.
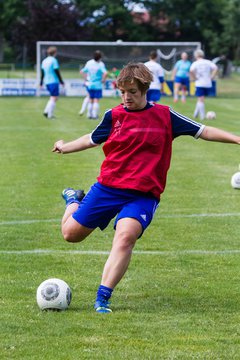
<point>182,125</point>
<point>161,79</point>
<point>101,133</point>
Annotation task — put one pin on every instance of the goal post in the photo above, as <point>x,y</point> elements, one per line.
<point>72,55</point>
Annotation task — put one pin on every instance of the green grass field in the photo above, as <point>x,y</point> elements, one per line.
<point>180,298</point>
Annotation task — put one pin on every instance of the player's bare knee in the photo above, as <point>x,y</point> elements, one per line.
<point>125,241</point>
<point>72,236</point>
<point>68,236</point>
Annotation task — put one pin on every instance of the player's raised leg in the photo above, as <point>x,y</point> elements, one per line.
<point>73,231</point>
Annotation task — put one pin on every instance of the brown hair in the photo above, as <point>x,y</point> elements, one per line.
<point>97,55</point>
<point>153,55</point>
<point>135,72</point>
<point>52,50</point>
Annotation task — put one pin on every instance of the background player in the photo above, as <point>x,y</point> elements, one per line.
<point>180,77</point>
<point>138,143</point>
<point>51,76</point>
<point>95,72</point>
<point>203,72</point>
<point>154,91</point>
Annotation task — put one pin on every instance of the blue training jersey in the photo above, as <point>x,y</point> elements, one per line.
<point>183,68</point>
<point>49,65</point>
<point>94,70</point>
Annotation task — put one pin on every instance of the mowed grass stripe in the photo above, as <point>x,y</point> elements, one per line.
<point>167,216</point>
<point>135,252</point>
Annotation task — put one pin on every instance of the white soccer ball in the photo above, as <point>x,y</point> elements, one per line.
<point>54,294</point>
<point>211,115</point>
<point>235,180</point>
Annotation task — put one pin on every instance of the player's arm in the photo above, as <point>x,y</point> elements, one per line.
<point>84,74</point>
<point>59,76</point>
<point>213,134</point>
<point>80,144</point>
<point>42,76</point>
<point>99,135</point>
<point>214,72</point>
<point>161,79</point>
<point>104,77</point>
<point>192,72</point>
<point>192,75</point>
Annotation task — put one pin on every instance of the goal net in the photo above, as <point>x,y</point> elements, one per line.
<point>73,55</point>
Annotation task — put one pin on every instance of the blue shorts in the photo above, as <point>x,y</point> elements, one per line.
<point>53,89</point>
<point>103,203</point>
<point>182,80</point>
<point>153,95</point>
<point>95,94</point>
<point>202,91</point>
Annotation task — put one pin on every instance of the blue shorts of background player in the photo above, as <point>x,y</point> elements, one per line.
<point>202,91</point>
<point>153,95</point>
<point>103,203</point>
<point>184,81</point>
<point>95,94</point>
<point>53,89</point>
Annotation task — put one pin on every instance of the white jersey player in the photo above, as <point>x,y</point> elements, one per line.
<point>203,72</point>
<point>154,92</point>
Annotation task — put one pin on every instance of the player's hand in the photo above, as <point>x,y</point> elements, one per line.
<point>58,146</point>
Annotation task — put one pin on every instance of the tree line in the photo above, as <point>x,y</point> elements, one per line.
<point>215,23</point>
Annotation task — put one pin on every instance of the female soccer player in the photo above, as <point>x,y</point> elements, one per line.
<point>181,77</point>
<point>154,91</point>
<point>95,73</point>
<point>50,75</point>
<point>203,71</point>
<point>137,139</point>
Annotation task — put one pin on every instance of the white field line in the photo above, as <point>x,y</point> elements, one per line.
<point>136,252</point>
<point>166,216</point>
<point>29,222</point>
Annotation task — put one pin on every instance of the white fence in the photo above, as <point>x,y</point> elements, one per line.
<point>29,87</point>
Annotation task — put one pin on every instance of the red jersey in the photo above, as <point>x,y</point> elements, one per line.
<point>138,150</point>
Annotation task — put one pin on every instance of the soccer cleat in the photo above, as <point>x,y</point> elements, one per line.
<point>45,114</point>
<point>70,195</point>
<point>102,306</point>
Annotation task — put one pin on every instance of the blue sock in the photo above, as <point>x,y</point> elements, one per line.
<point>104,292</point>
<point>72,201</point>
